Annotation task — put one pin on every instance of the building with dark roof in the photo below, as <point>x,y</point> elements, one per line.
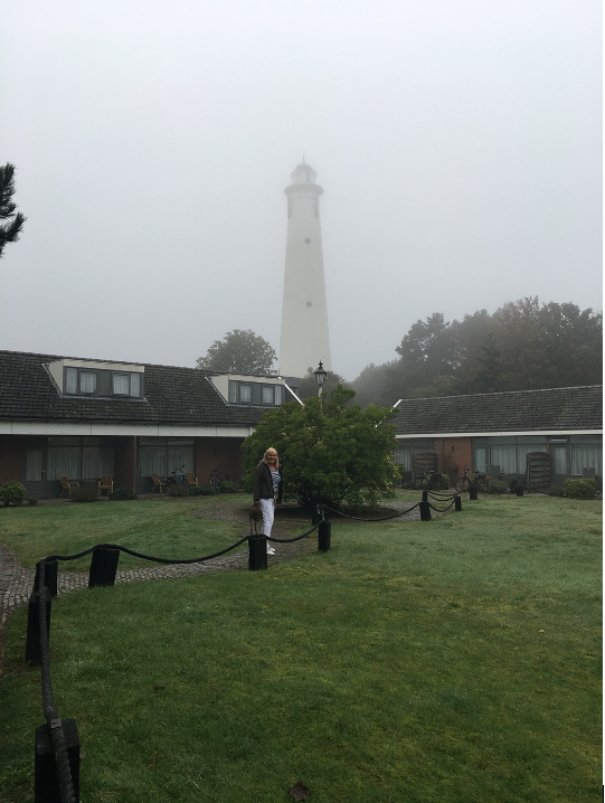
<point>559,429</point>
<point>83,419</point>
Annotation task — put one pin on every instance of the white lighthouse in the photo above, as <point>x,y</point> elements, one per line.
<point>304,327</point>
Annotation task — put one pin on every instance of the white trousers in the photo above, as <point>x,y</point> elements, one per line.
<point>267,507</point>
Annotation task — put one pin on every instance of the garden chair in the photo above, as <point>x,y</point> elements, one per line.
<point>106,484</point>
<point>158,484</point>
<point>191,480</point>
<point>68,485</point>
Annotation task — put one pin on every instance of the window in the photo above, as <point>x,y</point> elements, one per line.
<point>88,382</point>
<point>33,465</point>
<point>102,382</point>
<point>71,380</point>
<point>162,457</point>
<point>78,458</point>
<point>586,453</point>
<point>120,384</point>
<point>258,393</point>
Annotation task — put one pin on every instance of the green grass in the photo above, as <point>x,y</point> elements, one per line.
<point>456,660</point>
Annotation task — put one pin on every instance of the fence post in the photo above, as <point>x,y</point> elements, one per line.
<point>425,496</point>
<point>50,575</point>
<point>472,492</point>
<point>425,511</point>
<point>46,782</point>
<point>32,645</point>
<point>519,490</point>
<point>257,552</point>
<point>457,503</point>
<point>103,566</point>
<point>323,536</point>
<point>316,515</point>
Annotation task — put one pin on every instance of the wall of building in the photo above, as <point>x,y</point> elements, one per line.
<point>453,454</point>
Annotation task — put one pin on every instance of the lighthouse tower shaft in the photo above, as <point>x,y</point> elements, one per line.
<point>304,330</point>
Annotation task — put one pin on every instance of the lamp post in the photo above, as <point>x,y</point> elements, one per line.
<point>320,377</point>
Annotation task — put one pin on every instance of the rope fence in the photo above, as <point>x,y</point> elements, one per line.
<point>57,749</point>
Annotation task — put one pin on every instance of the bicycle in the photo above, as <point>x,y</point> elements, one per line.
<point>215,481</point>
<point>469,479</point>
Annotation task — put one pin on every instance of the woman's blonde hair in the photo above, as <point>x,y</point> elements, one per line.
<point>271,449</point>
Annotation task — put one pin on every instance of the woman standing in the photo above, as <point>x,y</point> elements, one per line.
<point>268,489</point>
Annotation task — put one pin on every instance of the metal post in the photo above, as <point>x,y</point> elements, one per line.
<point>425,511</point>
<point>50,575</point>
<point>32,645</point>
<point>457,503</point>
<point>323,536</point>
<point>257,552</point>
<point>103,566</point>
<point>46,783</point>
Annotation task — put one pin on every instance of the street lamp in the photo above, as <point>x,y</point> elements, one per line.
<point>320,377</point>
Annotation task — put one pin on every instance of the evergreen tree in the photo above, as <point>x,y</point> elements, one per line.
<point>9,230</point>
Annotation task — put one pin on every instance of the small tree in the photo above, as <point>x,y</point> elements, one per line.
<point>239,352</point>
<point>9,232</point>
<point>332,451</point>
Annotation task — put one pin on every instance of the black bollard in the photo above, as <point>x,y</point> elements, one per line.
<point>103,566</point>
<point>50,575</point>
<point>519,490</point>
<point>323,536</point>
<point>425,496</point>
<point>472,492</point>
<point>257,552</point>
<point>425,511</point>
<point>33,654</point>
<point>316,514</point>
<point>47,788</point>
<point>457,503</point>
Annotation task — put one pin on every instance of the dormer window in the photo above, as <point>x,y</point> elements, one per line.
<point>86,381</point>
<point>255,393</point>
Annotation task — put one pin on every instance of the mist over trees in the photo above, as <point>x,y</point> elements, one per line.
<point>239,352</point>
<point>524,345</point>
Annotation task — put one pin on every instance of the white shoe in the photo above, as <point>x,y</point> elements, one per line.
<point>270,550</point>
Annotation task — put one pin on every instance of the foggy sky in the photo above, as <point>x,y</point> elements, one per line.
<point>458,143</point>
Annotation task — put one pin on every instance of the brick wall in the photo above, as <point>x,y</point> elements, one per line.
<point>12,459</point>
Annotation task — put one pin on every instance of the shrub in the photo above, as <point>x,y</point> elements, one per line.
<point>201,490</point>
<point>434,482</point>
<point>580,489</point>
<point>12,493</point>
<point>495,487</point>
<point>121,493</point>
<point>515,482</point>
<point>176,489</point>
<point>230,487</point>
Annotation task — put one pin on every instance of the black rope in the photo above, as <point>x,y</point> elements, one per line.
<point>441,510</point>
<point>441,497</point>
<point>385,518</point>
<point>55,725</point>
<point>149,557</point>
<point>296,538</point>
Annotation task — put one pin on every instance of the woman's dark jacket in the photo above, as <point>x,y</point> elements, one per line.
<point>262,483</point>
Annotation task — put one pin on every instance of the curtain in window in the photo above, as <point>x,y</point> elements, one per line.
<point>135,385</point>
<point>558,453</point>
<point>585,455</point>
<point>88,382</point>
<point>245,393</point>
<point>505,456</point>
<point>480,458</point>
<point>120,384</point>
<point>71,380</point>
<point>33,465</point>
<point>96,461</point>
<point>64,461</point>
<point>268,395</point>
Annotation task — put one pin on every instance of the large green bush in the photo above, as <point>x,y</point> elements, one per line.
<point>331,452</point>
<point>580,488</point>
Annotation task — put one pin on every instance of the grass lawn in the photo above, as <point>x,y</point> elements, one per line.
<point>452,660</point>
